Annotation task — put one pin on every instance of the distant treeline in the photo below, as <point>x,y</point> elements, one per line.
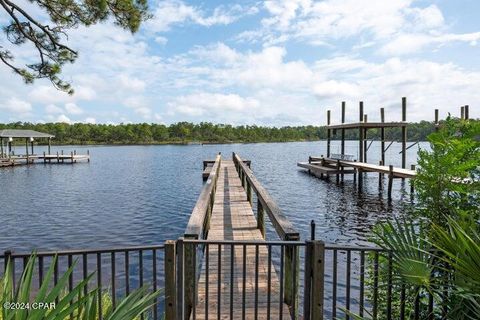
<point>184,132</point>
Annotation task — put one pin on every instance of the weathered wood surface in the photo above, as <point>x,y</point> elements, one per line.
<point>206,172</point>
<point>317,169</point>
<point>283,226</point>
<point>233,219</point>
<point>367,125</point>
<point>15,160</point>
<point>397,172</point>
<point>196,224</point>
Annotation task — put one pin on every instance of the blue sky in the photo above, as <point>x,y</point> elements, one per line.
<point>263,62</point>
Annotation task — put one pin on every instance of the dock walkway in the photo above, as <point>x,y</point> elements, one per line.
<point>329,166</point>
<point>233,219</point>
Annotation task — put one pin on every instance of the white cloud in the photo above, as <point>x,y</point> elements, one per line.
<point>264,69</point>
<point>63,118</point>
<point>17,106</point>
<point>398,26</point>
<point>90,120</point>
<point>139,106</point>
<point>213,103</point>
<point>175,12</point>
<point>132,84</point>
<point>48,94</point>
<point>53,109</point>
<point>161,40</point>
<point>72,108</point>
<point>412,43</point>
<point>335,89</point>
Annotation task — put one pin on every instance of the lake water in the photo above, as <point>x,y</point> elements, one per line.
<point>136,195</point>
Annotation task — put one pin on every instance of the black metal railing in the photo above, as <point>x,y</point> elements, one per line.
<point>117,272</point>
<point>248,278</point>
<point>233,278</point>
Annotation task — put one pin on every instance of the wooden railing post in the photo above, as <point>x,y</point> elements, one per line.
<point>292,268</point>
<point>261,218</point>
<point>190,272</point>
<point>314,280</point>
<point>180,269</point>
<point>249,193</point>
<point>170,281</point>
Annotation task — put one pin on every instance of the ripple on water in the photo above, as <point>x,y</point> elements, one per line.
<point>133,195</point>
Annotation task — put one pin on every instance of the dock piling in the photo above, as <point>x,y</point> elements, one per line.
<point>382,134</point>
<point>404,133</point>
<point>390,183</point>
<point>380,177</point>
<point>360,152</point>
<point>412,184</point>
<point>329,134</point>
<point>342,147</point>
<point>365,141</point>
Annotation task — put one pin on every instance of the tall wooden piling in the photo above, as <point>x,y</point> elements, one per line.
<point>390,182</point>
<point>462,113</point>
<point>360,145</point>
<point>412,184</point>
<point>404,133</point>
<point>329,133</point>
<point>380,177</point>
<point>382,134</point>
<point>365,141</point>
<point>467,116</point>
<point>342,146</point>
<point>436,119</point>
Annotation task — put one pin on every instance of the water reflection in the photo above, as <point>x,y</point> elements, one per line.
<point>134,195</point>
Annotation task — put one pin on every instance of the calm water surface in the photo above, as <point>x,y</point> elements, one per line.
<point>134,195</point>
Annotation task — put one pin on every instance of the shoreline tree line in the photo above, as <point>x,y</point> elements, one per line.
<point>204,132</point>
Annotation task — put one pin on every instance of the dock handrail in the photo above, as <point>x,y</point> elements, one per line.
<point>280,222</point>
<point>197,226</point>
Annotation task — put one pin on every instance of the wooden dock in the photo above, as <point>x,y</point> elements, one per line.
<point>59,158</point>
<point>322,167</point>
<point>329,166</point>
<point>233,219</point>
<point>235,277</point>
<point>208,165</point>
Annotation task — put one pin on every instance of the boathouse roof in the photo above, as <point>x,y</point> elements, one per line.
<point>17,133</point>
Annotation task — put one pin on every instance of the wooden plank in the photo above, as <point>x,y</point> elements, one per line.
<point>397,172</point>
<point>368,125</point>
<point>206,172</point>
<point>196,223</point>
<point>280,222</point>
<point>233,219</point>
<point>318,169</point>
